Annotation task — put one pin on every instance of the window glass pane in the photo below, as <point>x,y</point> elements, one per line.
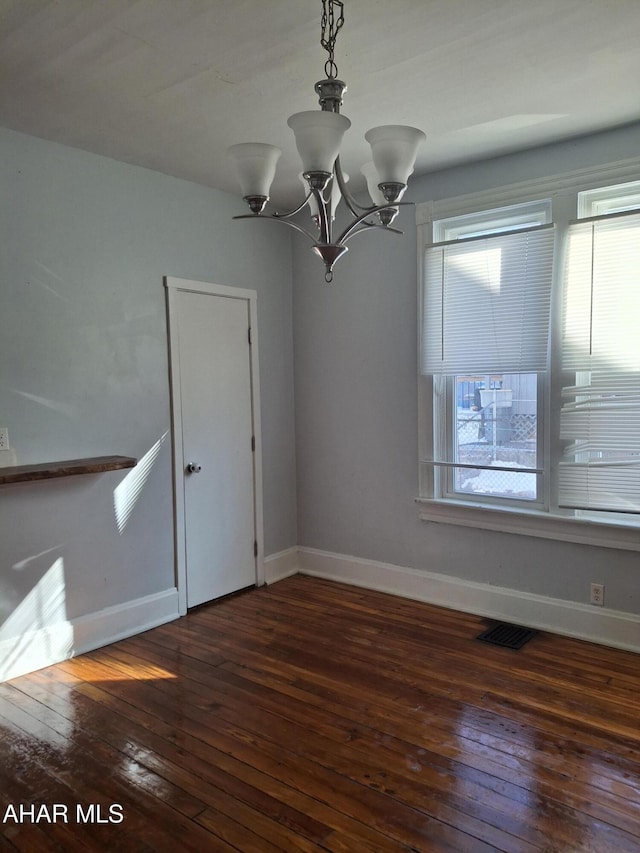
<point>495,426</point>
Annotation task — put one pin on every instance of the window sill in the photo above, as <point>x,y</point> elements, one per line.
<point>544,525</point>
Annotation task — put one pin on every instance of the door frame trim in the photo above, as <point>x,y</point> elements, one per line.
<point>172,287</point>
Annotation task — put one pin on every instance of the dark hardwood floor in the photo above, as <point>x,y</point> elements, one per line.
<point>315,716</point>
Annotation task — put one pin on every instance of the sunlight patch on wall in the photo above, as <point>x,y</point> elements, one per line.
<point>37,632</point>
<point>125,495</point>
<point>55,405</point>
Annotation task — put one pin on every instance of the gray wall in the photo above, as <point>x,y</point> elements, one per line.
<point>86,242</point>
<point>356,406</point>
<point>83,371</point>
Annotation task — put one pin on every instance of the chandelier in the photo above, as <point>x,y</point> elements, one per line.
<point>318,135</point>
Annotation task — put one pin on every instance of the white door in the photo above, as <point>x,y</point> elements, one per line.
<point>211,357</point>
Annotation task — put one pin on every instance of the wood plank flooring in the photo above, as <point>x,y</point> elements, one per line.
<point>316,716</point>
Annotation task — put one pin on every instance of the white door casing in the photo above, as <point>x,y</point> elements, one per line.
<point>215,400</point>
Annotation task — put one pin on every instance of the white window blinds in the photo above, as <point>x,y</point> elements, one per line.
<point>486,303</point>
<point>600,416</point>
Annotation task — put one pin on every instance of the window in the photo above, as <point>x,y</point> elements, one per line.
<point>530,358</point>
<point>600,416</point>
<point>485,340</point>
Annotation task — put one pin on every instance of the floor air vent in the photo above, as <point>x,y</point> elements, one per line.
<point>508,636</point>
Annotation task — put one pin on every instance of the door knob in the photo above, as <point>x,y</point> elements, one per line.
<point>194,468</point>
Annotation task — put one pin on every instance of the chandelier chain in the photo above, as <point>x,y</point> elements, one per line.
<point>330,26</point>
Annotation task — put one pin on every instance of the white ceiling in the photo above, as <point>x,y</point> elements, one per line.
<point>170,84</point>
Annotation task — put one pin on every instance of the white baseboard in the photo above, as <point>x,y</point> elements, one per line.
<point>34,649</point>
<point>281,565</point>
<point>62,640</point>
<point>571,619</point>
<point>124,620</point>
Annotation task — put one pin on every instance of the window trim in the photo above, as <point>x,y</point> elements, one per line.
<point>545,525</point>
<point>502,220</point>
<point>595,202</point>
<point>548,523</point>
<point>552,186</point>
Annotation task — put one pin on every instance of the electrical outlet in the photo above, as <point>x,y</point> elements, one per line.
<point>597,594</point>
<point>4,438</point>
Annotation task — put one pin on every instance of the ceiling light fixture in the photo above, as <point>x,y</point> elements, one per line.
<point>318,136</point>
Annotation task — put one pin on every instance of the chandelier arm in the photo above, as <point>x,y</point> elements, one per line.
<point>360,219</point>
<point>290,213</point>
<point>280,219</point>
<point>365,227</point>
<point>349,200</point>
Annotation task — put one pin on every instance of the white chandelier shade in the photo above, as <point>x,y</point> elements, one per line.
<point>255,164</point>
<point>394,148</point>
<point>318,138</point>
